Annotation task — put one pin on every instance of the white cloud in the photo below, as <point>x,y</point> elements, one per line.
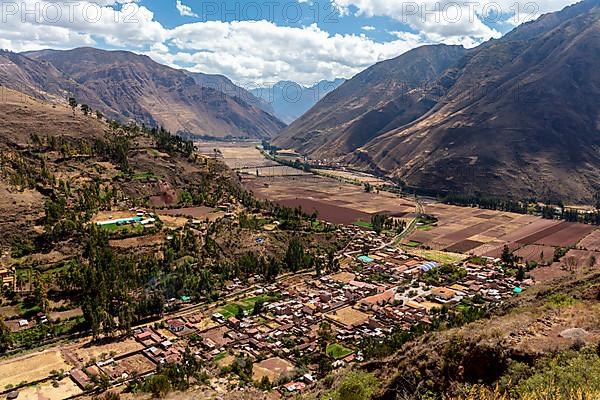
<point>33,24</point>
<point>249,52</point>
<point>435,20</point>
<point>368,28</point>
<point>184,10</point>
<point>259,52</point>
<point>449,21</point>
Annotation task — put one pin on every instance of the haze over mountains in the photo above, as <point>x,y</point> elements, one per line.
<point>289,100</point>
<point>515,117</point>
<point>126,85</point>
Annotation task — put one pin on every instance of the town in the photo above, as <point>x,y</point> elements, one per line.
<point>288,328</point>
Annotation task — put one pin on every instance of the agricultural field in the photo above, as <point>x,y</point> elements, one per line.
<point>334,201</point>
<point>337,351</point>
<point>591,242</point>
<point>247,304</point>
<point>31,367</point>
<point>235,154</point>
<point>572,261</point>
<point>273,170</point>
<point>352,176</point>
<point>199,212</point>
<point>486,232</point>
<point>55,390</point>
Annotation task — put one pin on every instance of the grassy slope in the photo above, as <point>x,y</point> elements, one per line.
<point>515,350</point>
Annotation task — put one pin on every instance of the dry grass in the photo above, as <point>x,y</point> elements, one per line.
<point>31,367</point>
<point>484,393</point>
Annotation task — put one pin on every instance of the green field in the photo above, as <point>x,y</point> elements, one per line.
<point>337,351</point>
<point>247,304</point>
<point>220,356</point>
<point>136,228</point>
<point>424,228</point>
<point>443,257</point>
<point>363,224</point>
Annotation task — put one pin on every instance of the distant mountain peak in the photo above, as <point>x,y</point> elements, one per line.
<point>289,100</point>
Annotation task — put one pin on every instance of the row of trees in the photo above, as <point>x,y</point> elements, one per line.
<point>558,211</point>
<point>379,222</point>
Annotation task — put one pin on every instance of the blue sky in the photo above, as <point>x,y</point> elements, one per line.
<point>258,43</point>
<point>283,13</point>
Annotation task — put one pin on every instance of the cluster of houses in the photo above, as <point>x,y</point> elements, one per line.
<point>368,296</point>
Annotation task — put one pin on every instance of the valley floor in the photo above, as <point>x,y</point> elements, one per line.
<point>442,265</point>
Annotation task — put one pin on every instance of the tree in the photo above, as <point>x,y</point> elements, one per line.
<point>378,222</point>
<point>86,109</point>
<point>506,256</point>
<point>191,365</point>
<point>259,307</point>
<point>158,385</point>
<point>240,313</point>
<point>72,103</point>
<point>324,335</point>
<point>333,264</point>
<point>318,267</point>
<point>265,383</point>
<point>41,293</point>
<point>111,396</point>
<point>5,337</point>
<point>357,385</point>
<point>295,257</point>
<point>520,274</point>
<point>242,367</point>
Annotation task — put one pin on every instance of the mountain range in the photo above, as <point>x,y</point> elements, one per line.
<point>122,85</point>
<point>289,100</point>
<point>515,117</point>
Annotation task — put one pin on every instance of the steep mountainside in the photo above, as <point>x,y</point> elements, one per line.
<point>387,93</point>
<point>522,118</point>
<point>225,85</point>
<point>515,117</point>
<point>50,152</point>
<point>123,84</point>
<point>34,78</point>
<point>290,100</point>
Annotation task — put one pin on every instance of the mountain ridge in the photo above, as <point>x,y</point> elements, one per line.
<point>126,85</point>
<point>387,87</point>
<point>515,117</point>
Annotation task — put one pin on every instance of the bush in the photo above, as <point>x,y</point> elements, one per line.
<point>560,300</point>
<point>563,376</point>
<point>357,385</point>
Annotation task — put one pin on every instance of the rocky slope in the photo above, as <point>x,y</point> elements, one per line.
<point>361,108</point>
<point>522,118</point>
<point>517,117</point>
<point>125,85</point>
